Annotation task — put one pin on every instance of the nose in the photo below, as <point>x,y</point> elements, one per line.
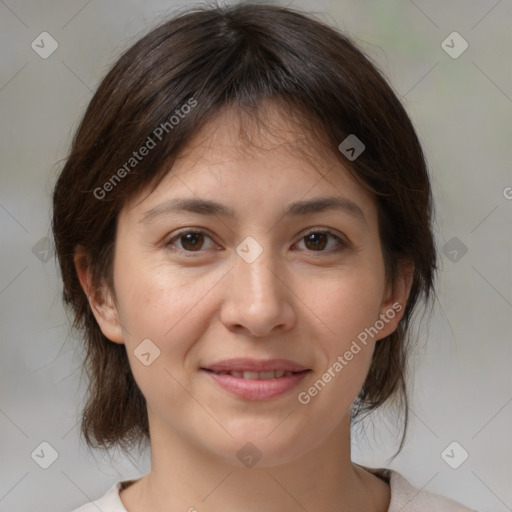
<point>258,301</point>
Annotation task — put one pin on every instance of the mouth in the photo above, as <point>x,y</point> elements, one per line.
<point>258,366</point>
<point>249,375</point>
<point>256,380</point>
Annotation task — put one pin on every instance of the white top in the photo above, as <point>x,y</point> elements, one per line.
<point>404,497</point>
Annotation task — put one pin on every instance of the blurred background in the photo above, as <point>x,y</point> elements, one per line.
<point>450,62</point>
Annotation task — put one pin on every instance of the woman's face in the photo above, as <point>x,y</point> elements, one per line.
<point>237,255</point>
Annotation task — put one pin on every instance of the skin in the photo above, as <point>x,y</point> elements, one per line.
<point>295,301</point>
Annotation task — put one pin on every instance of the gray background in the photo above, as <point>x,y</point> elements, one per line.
<point>462,389</point>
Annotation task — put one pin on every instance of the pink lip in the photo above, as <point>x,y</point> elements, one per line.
<point>255,365</point>
<point>257,389</point>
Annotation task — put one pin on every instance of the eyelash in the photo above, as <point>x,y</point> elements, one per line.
<point>342,244</point>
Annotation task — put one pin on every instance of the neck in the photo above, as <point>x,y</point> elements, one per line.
<point>184,477</point>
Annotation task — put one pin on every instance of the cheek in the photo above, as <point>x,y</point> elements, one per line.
<point>348,303</point>
<point>153,299</point>
<point>169,311</point>
<point>169,308</point>
<point>348,308</point>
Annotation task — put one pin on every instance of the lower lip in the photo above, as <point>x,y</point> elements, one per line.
<point>257,389</point>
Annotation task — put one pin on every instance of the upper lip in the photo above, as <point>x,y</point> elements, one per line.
<point>255,365</point>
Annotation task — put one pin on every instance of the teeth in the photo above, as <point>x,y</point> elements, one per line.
<point>258,375</point>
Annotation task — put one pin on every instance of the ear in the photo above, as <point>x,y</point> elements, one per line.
<point>101,300</point>
<point>395,299</point>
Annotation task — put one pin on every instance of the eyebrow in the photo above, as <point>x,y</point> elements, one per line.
<point>208,207</point>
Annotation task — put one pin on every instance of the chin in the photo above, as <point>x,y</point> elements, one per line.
<point>260,445</point>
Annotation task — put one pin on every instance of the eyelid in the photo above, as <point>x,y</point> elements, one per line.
<point>168,242</point>
<point>343,243</point>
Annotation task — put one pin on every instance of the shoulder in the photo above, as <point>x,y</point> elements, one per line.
<point>407,498</point>
<point>109,502</point>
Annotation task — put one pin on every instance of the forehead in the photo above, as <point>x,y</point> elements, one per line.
<point>267,133</point>
<point>260,158</point>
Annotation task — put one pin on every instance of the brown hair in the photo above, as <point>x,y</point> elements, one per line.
<point>212,58</point>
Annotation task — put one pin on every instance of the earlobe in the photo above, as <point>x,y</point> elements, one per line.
<point>100,301</point>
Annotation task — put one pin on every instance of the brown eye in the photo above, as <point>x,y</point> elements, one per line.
<point>316,241</point>
<point>323,241</point>
<point>192,241</point>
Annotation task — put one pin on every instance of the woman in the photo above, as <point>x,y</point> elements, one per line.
<point>243,226</point>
